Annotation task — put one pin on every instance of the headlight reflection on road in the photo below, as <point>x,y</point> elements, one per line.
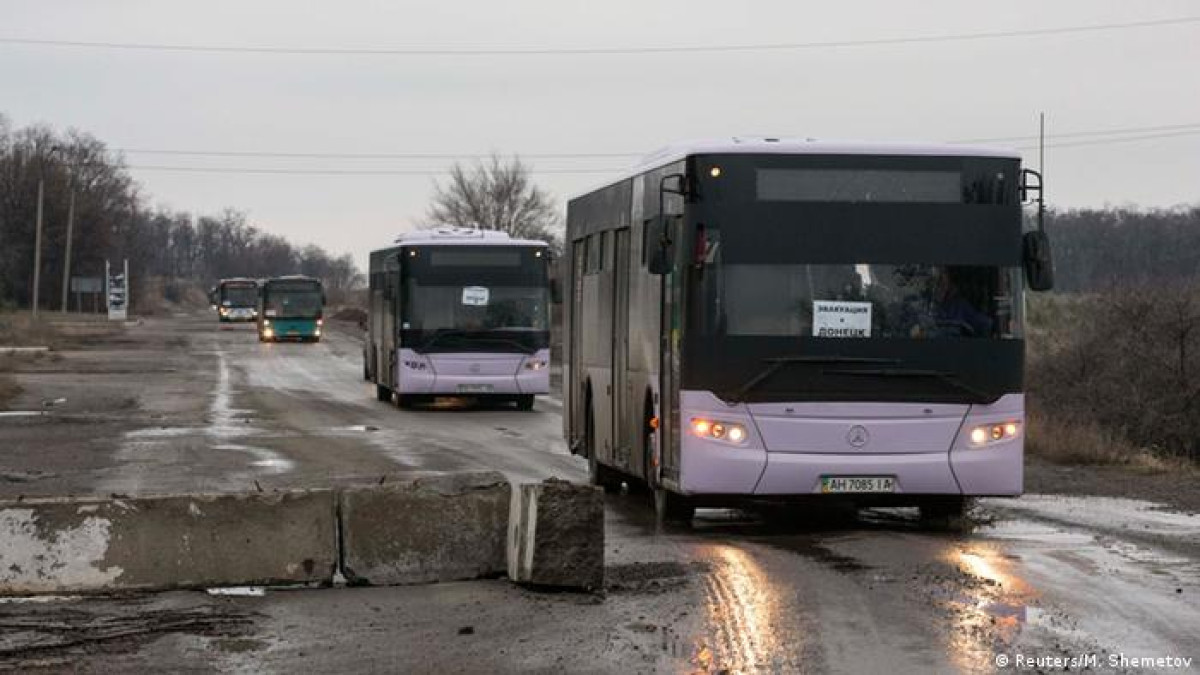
<point>740,606</point>
<point>988,607</point>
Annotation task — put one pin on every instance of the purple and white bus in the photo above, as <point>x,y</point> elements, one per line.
<point>775,319</point>
<point>459,312</point>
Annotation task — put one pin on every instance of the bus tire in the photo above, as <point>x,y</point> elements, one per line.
<point>670,507</point>
<point>598,474</point>
<point>942,513</point>
<point>525,402</point>
<point>404,401</point>
<point>382,393</point>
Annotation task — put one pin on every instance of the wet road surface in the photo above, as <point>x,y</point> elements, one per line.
<point>1044,576</point>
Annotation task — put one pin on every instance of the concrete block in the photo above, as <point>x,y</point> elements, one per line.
<point>184,541</point>
<point>556,535</point>
<point>434,528</point>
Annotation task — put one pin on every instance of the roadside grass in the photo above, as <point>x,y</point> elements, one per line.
<point>1065,441</point>
<point>18,329</point>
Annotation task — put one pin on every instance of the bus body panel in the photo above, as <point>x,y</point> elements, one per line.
<point>419,345</point>
<point>290,308</point>
<point>632,336</point>
<point>468,372</point>
<point>890,428</point>
<point>915,451</point>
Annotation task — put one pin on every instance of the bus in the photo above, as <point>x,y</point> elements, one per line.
<point>291,308</point>
<point>459,312</point>
<point>235,300</point>
<point>772,319</point>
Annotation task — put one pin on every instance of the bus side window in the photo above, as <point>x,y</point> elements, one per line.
<point>593,251</point>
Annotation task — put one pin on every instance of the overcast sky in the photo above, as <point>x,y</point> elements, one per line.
<point>1135,78</point>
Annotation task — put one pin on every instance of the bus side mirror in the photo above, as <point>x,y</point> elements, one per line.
<point>1039,264</point>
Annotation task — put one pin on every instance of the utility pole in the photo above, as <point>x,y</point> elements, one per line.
<point>67,260</point>
<point>37,245</point>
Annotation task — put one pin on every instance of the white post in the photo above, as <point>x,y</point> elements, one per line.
<point>67,264</point>
<point>37,249</point>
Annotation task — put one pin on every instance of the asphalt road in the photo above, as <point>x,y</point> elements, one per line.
<point>181,404</point>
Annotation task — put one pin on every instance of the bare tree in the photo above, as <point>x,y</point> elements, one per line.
<point>495,194</point>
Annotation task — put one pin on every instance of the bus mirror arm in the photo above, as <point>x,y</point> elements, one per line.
<point>1035,245</point>
<point>659,260</point>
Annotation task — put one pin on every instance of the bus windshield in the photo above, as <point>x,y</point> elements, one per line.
<point>239,295</point>
<point>862,301</point>
<point>290,300</point>
<point>475,299</point>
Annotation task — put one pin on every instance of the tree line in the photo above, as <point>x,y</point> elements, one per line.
<point>169,251</point>
<point>1097,250</point>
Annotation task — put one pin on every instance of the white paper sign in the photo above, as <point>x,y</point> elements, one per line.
<point>837,319</point>
<point>476,296</point>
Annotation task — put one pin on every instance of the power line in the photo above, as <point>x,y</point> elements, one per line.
<point>1076,134</point>
<point>369,155</point>
<point>598,51</point>
<point>1110,141</point>
<point>1189,127</point>
<point>339,172</point>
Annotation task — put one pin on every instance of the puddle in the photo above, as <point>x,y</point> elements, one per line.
<point>164,432</point>
<point>239,591</point>
<point>22,413</point>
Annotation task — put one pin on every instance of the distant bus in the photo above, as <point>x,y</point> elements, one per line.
<point>459,312</point>
<point>235,300</point>
<point>771,319</point>
<point>291,308</point>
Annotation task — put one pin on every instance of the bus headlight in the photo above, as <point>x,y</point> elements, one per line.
<point>535,364</point>
<point>224,311</point>
<point>717,430</point>
<point>994,433</point>
<point>267,333</point>
<point>320,322</point>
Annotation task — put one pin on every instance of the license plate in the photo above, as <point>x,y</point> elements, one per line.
<point>475,389</point>
<point>857,484</point>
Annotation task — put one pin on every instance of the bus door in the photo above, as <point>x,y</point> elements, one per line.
<point>626,426</point>
<point>577,379</point>
<point>670,425</point>
<point>391,318</point>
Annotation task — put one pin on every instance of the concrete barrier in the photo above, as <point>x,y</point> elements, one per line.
<point>556,535</point>
<point>436,528</point>
<point>104,545</point>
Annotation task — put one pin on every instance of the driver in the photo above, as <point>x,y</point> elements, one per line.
<point>953,311</point>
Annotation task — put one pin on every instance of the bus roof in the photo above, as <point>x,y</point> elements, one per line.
<point>463,236</point>
<point>779,145</point>
<point>292,277</point>
<point>238,280</point>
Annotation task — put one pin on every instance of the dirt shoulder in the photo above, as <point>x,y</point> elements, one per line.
<point>1177,489</point>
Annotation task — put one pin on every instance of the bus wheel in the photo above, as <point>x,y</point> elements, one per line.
<point>404,401</point>
<point>672,507</point>
<point>382,393</point>
<point>525,402</point>
<point>598,474</point>
<point>945,513</point>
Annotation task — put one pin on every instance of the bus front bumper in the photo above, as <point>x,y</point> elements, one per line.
<point>722,468</point>
<point>474,374</point>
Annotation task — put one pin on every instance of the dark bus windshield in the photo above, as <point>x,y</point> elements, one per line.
<point>292,299</point>
<point>860,301</point>
<point>801,269</point>
<point>475,298</point>
<point>239,295</point>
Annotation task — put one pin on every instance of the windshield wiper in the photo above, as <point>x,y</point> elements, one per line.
<point>474,336</point>
<point>947,378</point>
<point>774,364</point>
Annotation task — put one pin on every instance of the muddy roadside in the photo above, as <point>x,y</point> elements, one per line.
<point>1177,489</point>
